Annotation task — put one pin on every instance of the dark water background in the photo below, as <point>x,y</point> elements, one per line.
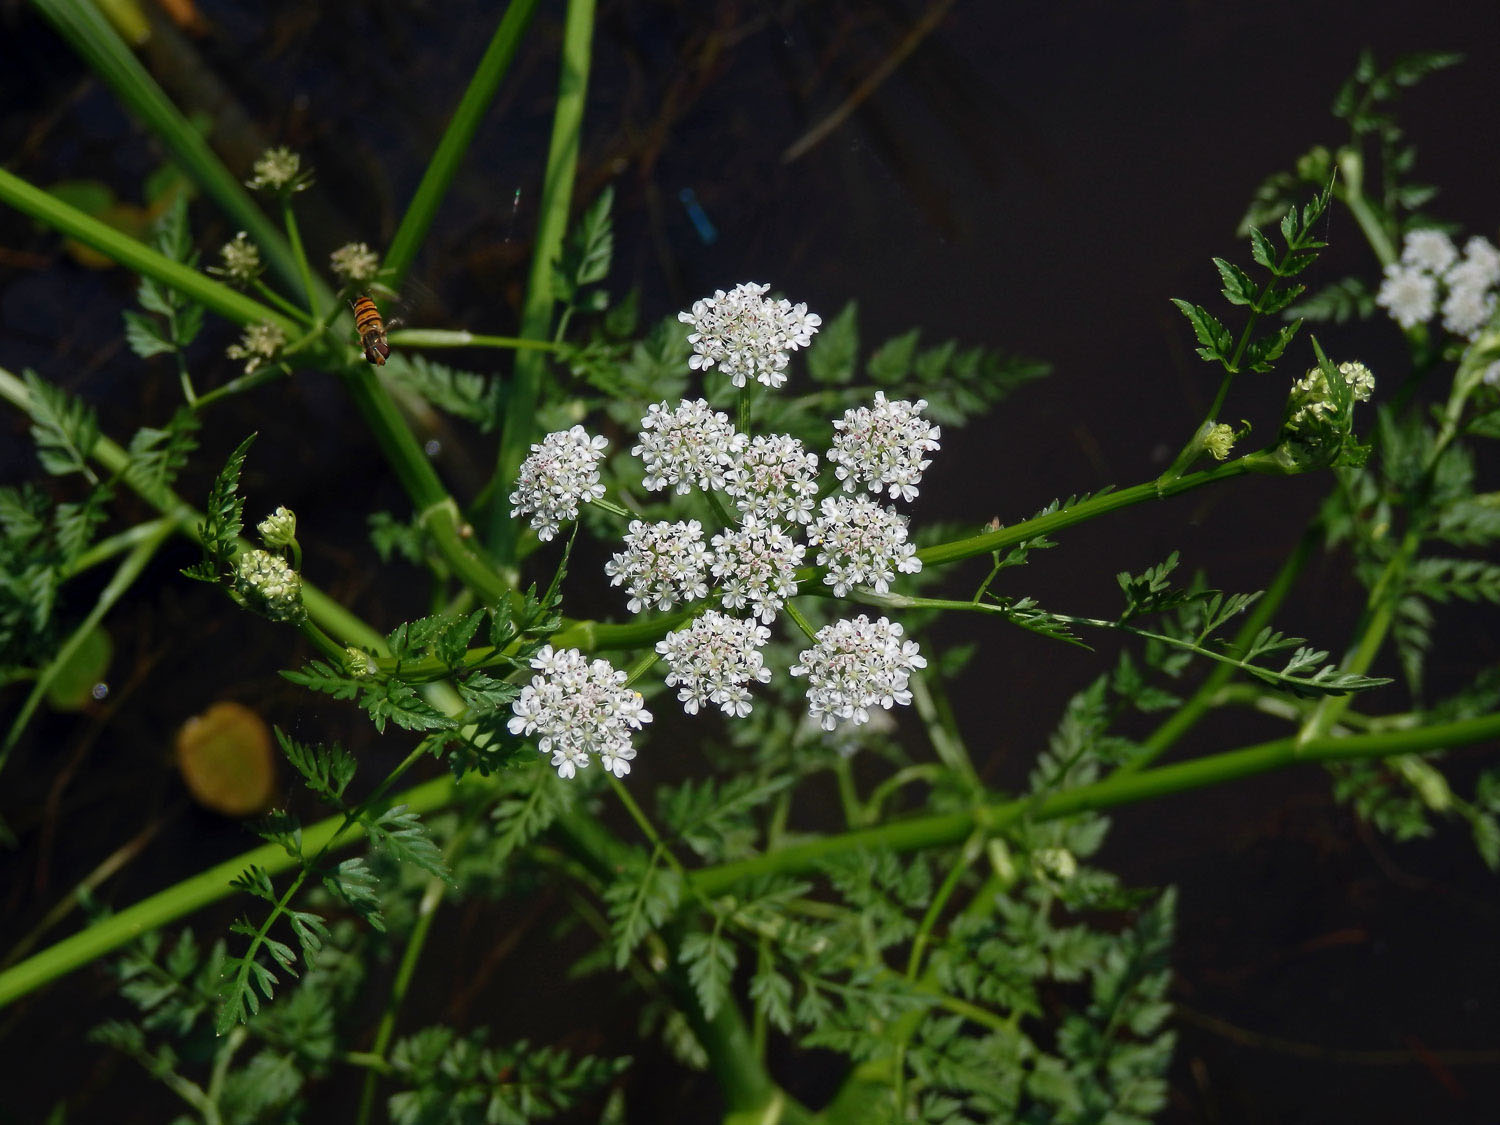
<point>1040,178</point>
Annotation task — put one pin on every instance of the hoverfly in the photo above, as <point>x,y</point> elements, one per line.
<point>371,329</point>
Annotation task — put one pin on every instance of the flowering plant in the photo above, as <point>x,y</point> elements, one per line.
<point>744,779</point>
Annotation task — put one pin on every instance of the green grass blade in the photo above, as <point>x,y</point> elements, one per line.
<point>519,426</point>
<point>456,139</point>
<point>108,56</point>
<point>135,255</point>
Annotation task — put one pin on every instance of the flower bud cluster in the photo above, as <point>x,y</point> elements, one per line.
<point>240,261</point>
<point>579,708</point>
<point>279,529</point>
<point>354,263</point>
<point>1431,268</point>
<point>1311,402</point>
<point>259,345</point>
<point>278,171</point>
<point>269,585</point>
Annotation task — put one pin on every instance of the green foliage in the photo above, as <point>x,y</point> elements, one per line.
<point>224,516</point>
<point>1267,298</point>
<point>171,320</point>
<point>586,256</point>
<point>458,1079</point>
<point>64,428</point>
<point>464,394</point>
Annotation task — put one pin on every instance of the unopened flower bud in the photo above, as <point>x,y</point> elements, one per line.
<point>1219,440</point>
<point>278,529</point>
<point>270,586</point>
<point>279,170</point>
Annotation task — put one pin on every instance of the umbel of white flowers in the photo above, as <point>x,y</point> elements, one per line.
<point>1431,269</point>
<point>738,578</point>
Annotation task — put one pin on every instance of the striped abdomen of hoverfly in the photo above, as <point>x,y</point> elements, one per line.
<point>371,329</point>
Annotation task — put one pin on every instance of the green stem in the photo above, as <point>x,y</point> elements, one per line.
<point>304,269</point>
<point>458,338</point>
<point>137,256</point>
<point>432,897</point>
<point>951,829</point>
<point>445,159</point>
<point>112,60</point>
<point>519,427</point>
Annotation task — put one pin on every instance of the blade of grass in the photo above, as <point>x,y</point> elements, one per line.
<point>134,255</point>
<point>450,151</point>
<point>519,426</point>
<point>108,56</point>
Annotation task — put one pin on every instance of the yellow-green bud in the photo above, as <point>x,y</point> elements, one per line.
<point>269,586</point>
<point>1219,440</point>
<point>359,663</point>
<point>1058,862</point>
<point>278,529</point>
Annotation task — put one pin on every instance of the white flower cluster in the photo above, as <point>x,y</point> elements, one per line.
<point>862,543</point>
<point>355,263</point>
<point>756,564</point>
<point>1430,265</point>
<point>579,707</point>
<point>775,478</point>
<point>561,472</point>
<point>239,260</point>
<point>692,444</point>
<point>854,666</point>
<point>662,563</point>
<point>259,344</point>
<point>747,336</point>
<point>1312,401</point>
<point>713,659</point>
<point>884,446</point>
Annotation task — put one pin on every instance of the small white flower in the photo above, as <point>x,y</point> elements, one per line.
<point>1491,376</point>
<point>862,543</point>
<point>713,659</point>
<point>240,261</point>
<point>279,170</point>
<point>775,479</point>
<point>884,446</point>
<point>692,444</point>
<point>1467,310</point>
<point>1430,250</point>
<point>561,472</point>
<point>854,666</point>
<point>1480,268</point>
<point>661,564</point>
<point>258,346</point>
<point>746,335</point>
<point>1408,294</point>
<point>355,263</point>
<point>756,564</point>
<point>579,708</point>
